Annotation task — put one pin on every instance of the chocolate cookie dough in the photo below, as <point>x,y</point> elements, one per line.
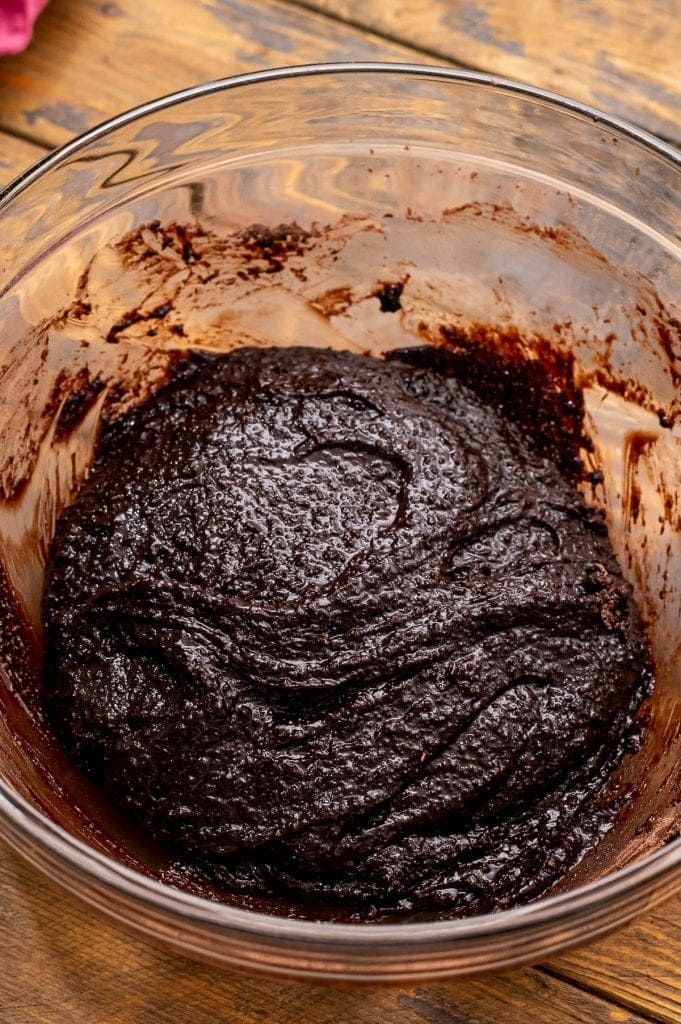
<point>330,627</point>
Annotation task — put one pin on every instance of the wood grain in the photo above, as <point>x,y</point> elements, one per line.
<point>59,963</point>
<point>620,56</point>
<point>15,156</point>
<point>639,967</point>
<point>89,61</point>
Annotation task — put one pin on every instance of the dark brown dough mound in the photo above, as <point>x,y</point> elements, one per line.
<point>329,626</point>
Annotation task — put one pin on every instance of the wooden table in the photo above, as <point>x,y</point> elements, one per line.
<point>59,963</point>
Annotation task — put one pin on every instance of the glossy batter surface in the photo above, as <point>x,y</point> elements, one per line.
<point>331,628</point>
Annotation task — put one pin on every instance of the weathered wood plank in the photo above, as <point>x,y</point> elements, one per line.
<point>59,962</point>
<point>89,61</point>
<point>639,967</point>
<point>621,56</point>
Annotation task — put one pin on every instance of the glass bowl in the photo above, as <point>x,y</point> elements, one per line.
<point>503,211</point>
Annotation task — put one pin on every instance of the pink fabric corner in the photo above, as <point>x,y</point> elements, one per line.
<point>16,23</point>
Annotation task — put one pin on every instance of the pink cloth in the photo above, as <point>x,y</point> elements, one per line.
<point>16,23</point>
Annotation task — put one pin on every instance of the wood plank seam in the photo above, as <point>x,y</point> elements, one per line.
<point>374,26</point>
<point>387,37</point>
<point>25,136</point>
<point>593,990</point>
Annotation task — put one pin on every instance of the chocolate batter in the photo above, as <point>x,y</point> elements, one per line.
<point>333,629</point>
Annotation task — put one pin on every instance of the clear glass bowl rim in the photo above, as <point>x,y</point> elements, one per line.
<point>103,870</point>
